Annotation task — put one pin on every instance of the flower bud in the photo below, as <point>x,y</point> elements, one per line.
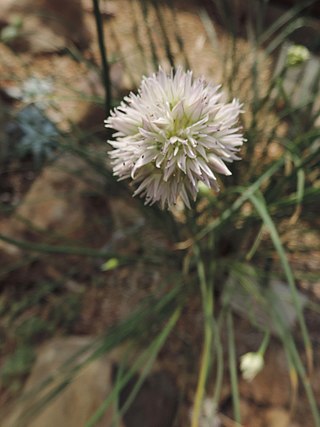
<point>296,55</point>
<point>250,365</point>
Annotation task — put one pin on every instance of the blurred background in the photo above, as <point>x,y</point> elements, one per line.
<point>101,314</point>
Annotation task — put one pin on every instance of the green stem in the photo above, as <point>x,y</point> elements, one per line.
<point>294,356</point>
<point>207,301</point>
<point>261,207</point>
<point>233,369</point>
<point>148,365</point>
<point>145,360</point>
<point>103,54</point>
<point>246,193</point>
<point>66,250</point>
<point>220,362</point>
<point>264,343</point>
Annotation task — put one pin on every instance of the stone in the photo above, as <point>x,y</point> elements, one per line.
<point>46,25</point>
<point>155,404</point>
<point>63,200</point>
<point>74,406</point>
<point>277,417</point>
<point>246,409</point>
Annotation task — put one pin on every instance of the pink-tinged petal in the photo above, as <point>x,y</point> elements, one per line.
<point>206,168</point>
<point>218,165</point>
<point>185,197</point>
<point>144,159</point>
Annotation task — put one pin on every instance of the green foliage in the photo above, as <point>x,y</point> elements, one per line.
<point>11,31</point>
<point>16,367</point>
<point>33,329</point>
<point>24,326</point>
<point>64,315</point>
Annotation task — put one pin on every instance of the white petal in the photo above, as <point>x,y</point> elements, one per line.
<point>143,160</point>
<point>218,165</point>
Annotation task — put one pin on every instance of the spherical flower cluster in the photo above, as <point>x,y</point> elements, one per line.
<point>173,134</point>
<point>251,364</point>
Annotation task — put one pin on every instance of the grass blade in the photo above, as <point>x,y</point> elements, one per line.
<point>233,368</point>
<point>260,205</point>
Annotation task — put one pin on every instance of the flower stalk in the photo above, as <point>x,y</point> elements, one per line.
<point>207,301</point>
<point>103,54</point>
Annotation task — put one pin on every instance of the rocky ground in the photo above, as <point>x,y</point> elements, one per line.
<point>70,204</point>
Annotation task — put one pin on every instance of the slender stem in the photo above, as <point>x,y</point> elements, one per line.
<point>294,356</point>
<point>264,343</point>
<point>145,13</point>
<point>65,250</point>
<point>103,53</point>
<point>145,361</point>
<point>305,381</point>
<point>246,193</point>
<point>164,32</point>
<point>207,301</point>
<point>260,205</point>
<point>233,369</point>
<point>149,363</point>
<point>220,359</point>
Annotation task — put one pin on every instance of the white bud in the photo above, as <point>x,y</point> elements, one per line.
<point>250,365</point>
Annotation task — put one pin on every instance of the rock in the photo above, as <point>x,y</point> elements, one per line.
<point>156,403</point>
<point>154,406</point>
<point>251,415</point>
<point>277,417</point>
<point>63,200</point>
<point>79,401</point>
<point>246,410</point>
<point>46,25</point>
<point>272,385</point>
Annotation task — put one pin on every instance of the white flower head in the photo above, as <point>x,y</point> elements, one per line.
<point>251,364</point>
<point>173,134</point>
